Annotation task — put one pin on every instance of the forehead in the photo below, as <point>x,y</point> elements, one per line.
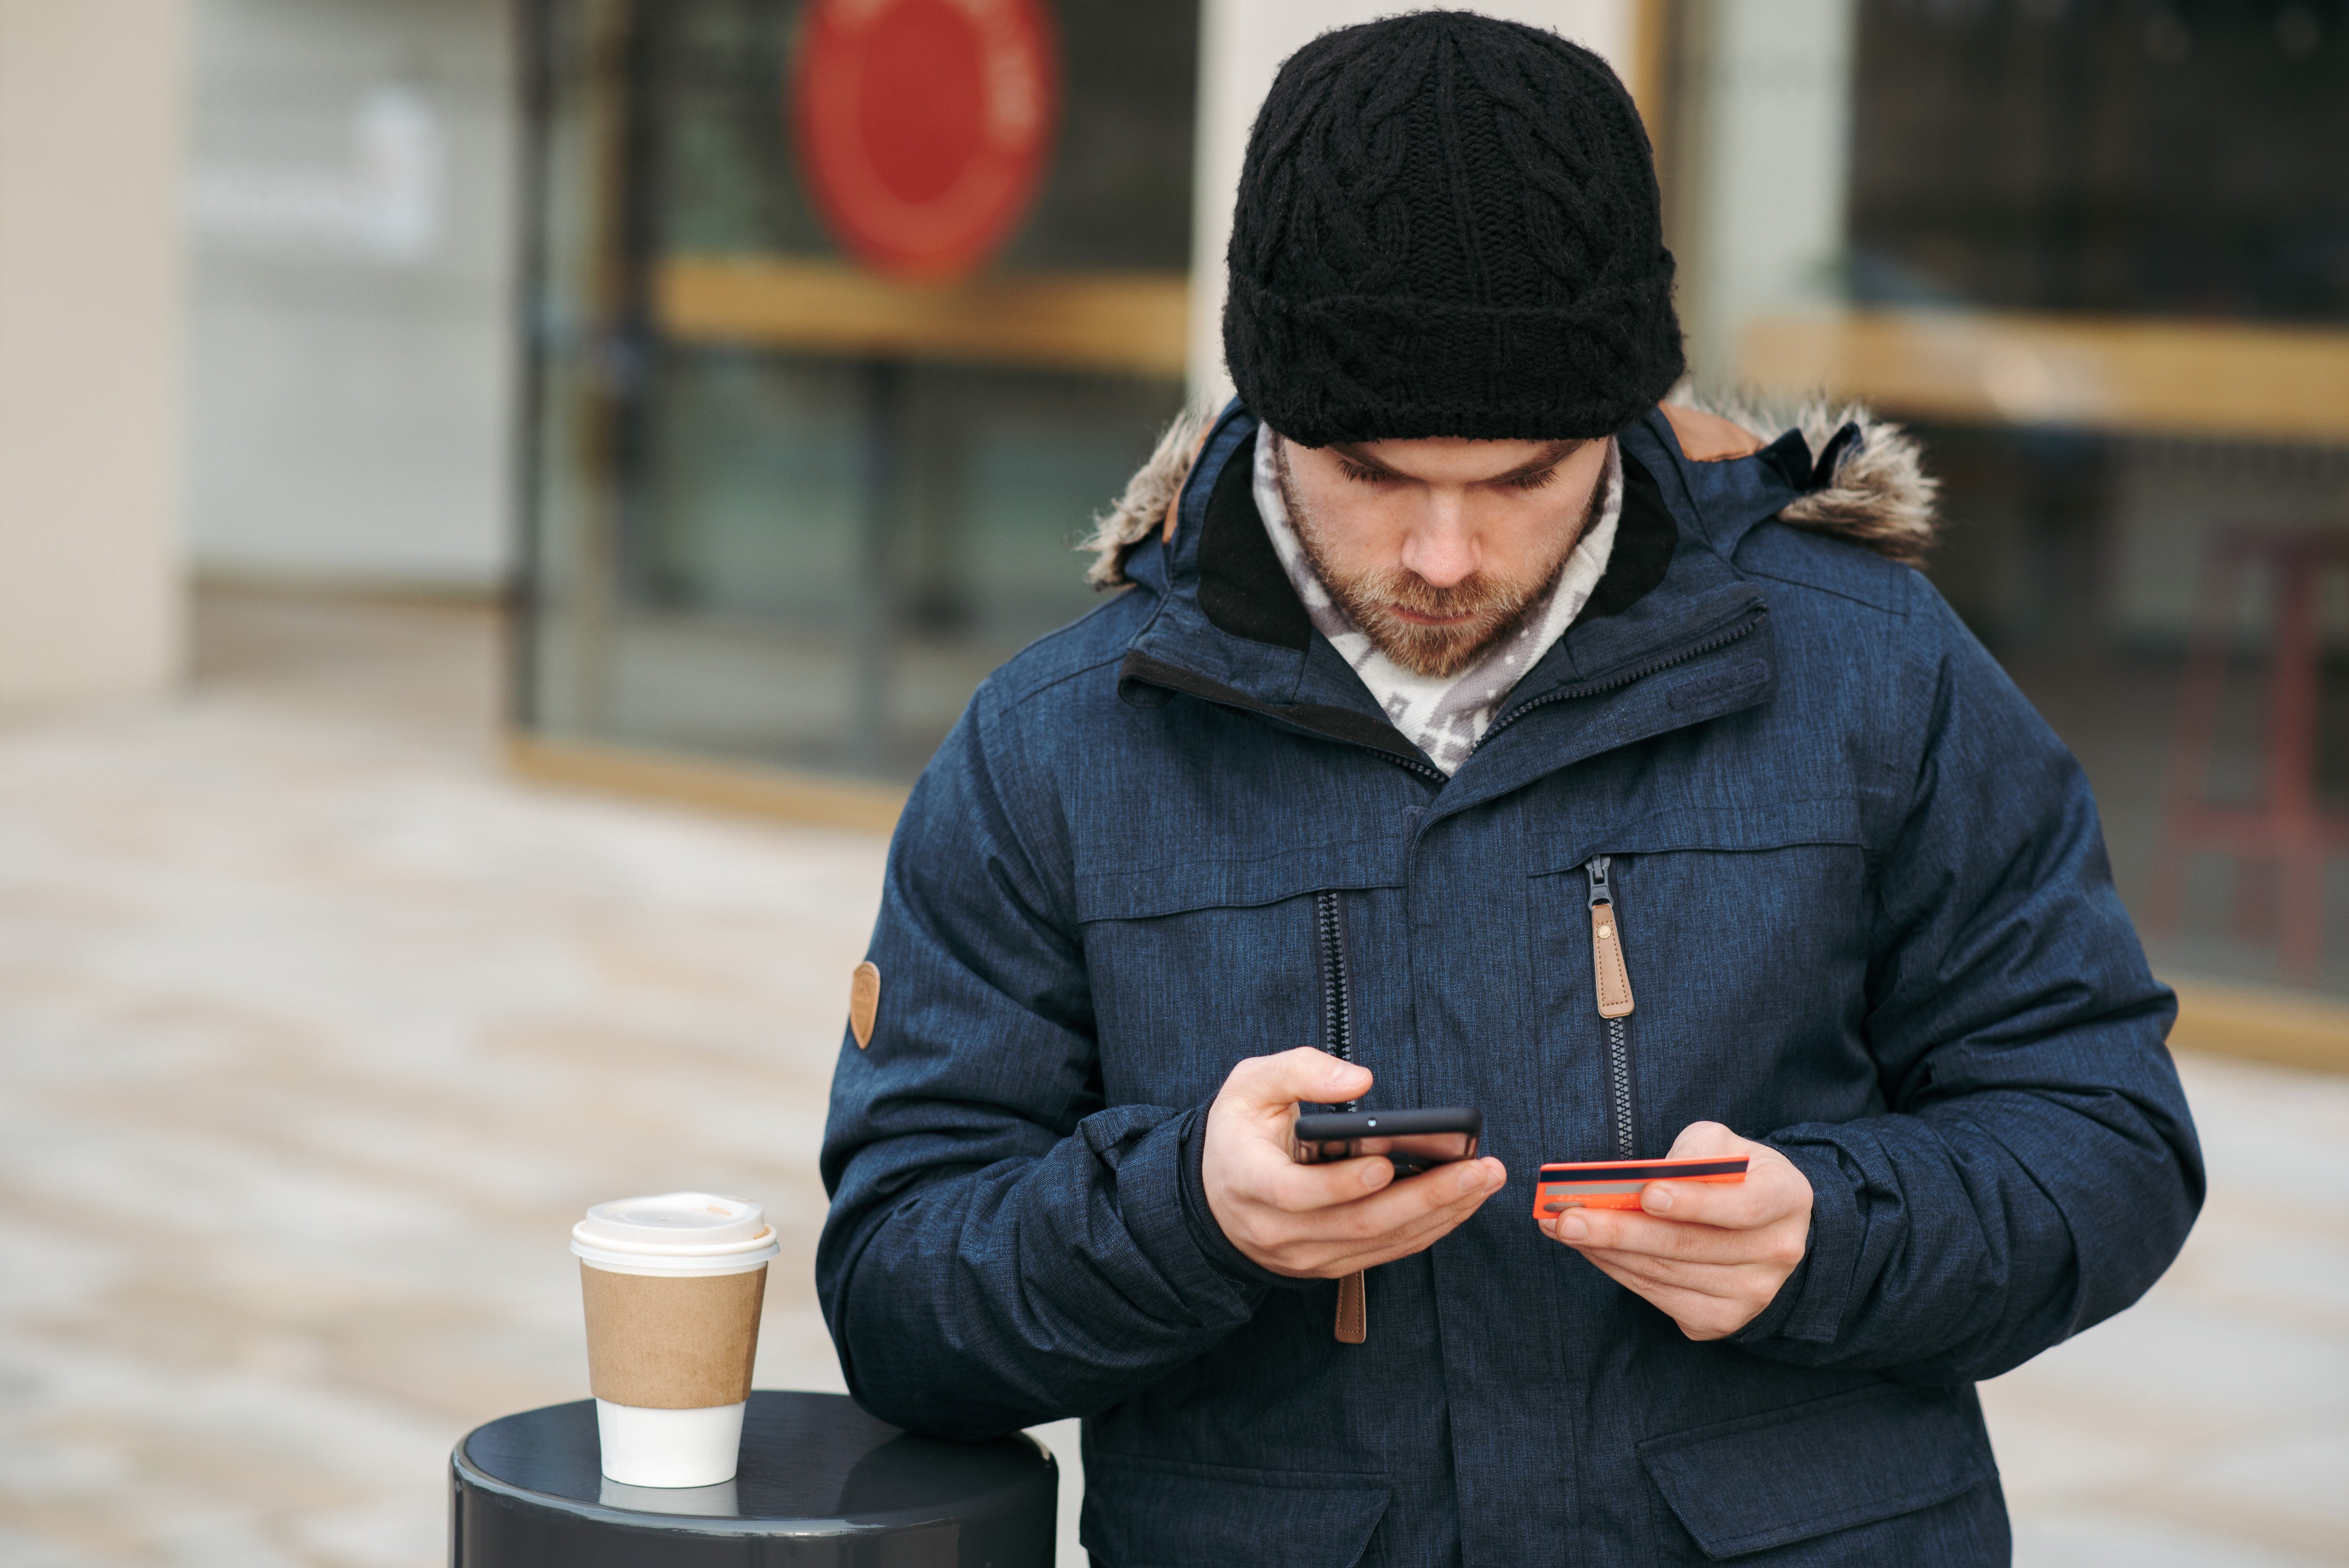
<point>1453,460</point>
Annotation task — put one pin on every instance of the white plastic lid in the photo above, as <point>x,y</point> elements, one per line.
<point>677,1232</point>
<point>672,1220</point>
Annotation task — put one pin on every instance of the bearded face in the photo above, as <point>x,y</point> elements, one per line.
<point>1357,532</point>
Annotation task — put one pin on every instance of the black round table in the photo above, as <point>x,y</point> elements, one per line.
<point>822,1485</point>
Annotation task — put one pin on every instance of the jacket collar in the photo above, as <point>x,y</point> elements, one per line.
<point>1229,629</point>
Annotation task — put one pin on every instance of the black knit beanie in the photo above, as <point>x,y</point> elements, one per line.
<point>1448,226</point>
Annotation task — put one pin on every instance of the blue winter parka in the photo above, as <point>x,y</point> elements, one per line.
<point>1866,910</point>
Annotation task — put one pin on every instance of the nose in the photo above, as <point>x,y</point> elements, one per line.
<point>1440,551</point>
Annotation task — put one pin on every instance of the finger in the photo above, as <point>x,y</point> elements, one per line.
<point>1774,1249</point>
<point>1414,1201</point>
<point>1698,1316</point>
<point>1629,1230</point>
<point>1402,1244</point>
<point>1282,1184</point>
<point>1726,1280</point>
<point>1410,1218</point>
<point>1311,1190</point>
<point>1646,1287</point>
<point>1443,1215</point>
<point>1722,1205</point>
<point>1611,1265</point>
<point>1772,1191</point>
<point>1274,1084</point>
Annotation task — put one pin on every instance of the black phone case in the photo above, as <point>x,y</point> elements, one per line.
<point>1340,1127</point>
<point>1329,1125</point>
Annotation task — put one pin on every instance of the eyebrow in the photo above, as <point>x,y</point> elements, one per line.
<point>1557,453</point>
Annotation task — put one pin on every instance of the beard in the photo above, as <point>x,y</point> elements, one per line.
<point>1492,605</point>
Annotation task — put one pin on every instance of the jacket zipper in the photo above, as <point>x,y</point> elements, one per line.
<point>1636,673</point>
<point>1337,993</point>
<point>1352,1324</point>
<point>1612,981</point>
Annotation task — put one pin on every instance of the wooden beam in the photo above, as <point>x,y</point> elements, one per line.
<point>1132,323</point>
<point>2241,380</point>
<point>2298,1029</point>
<point>772,792</point>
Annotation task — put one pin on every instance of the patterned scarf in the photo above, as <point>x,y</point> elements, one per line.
<point>1445,715</point>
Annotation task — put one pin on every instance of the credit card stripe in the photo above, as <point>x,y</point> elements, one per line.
<point>1583,1175</point>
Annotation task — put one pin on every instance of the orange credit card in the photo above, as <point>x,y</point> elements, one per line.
<point>1616,1184</point>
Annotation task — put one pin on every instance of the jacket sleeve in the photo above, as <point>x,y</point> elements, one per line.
<point>1002,1250</point>
<point>2038,1170</point>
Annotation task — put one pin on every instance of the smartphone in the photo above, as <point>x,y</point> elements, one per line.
<point>1616,1184</point>
<point>1412,1140</point>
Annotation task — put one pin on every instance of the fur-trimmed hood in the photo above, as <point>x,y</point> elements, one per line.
<point>1878,494</point>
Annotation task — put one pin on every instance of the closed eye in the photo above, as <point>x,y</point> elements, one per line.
<point>1362,473</point>
<point>1533,482</point>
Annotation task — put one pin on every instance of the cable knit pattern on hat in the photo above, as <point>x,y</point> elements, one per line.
<point>1448,225</point>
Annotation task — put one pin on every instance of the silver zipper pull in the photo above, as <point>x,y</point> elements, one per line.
<point>1614,979</point>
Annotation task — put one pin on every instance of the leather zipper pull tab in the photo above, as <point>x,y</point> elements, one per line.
<point>1614,978</point>
<point>1354,1317</point>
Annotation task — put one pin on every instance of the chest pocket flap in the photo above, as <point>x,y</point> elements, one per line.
<point>1832,1464</point>
<point>1206,880</point>
<point>1763,825</point>
<point>1164,1514</point>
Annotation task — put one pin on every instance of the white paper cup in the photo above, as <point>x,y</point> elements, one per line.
<point>656,1447</point>
<point>672,1285</point>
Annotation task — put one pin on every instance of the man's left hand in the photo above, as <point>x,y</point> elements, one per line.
<point>1711,1255</point>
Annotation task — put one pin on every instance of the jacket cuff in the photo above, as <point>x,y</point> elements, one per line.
<point>1809,1306</point>
<point>1153,1206</point>
<point>1207,1235</point>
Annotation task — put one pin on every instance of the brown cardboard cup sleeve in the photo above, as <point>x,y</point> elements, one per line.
<point>670,1342</point>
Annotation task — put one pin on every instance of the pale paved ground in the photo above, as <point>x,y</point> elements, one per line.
<point>317,1032</point>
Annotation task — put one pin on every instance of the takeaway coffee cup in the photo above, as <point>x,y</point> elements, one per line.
<point>673,1285</point>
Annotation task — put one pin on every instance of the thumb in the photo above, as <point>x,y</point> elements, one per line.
<point>1702,1139</point>
<point>1276,1082</point>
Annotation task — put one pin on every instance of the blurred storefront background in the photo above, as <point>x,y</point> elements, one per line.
<point>351,226</point>
<point>766,356</point>
<point>2098,254</point>
<point>786,508</point>
<point>788,505</point>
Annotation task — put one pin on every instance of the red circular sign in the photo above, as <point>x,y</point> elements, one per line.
<point>924,125</point>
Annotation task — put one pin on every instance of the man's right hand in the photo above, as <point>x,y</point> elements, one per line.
<point>1321,1222</point>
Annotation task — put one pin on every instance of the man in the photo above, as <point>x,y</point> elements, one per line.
<point>1476,732</point>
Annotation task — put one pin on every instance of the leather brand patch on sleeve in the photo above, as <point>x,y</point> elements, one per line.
<point>864,1001</point>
